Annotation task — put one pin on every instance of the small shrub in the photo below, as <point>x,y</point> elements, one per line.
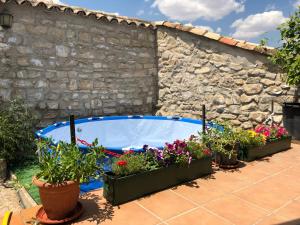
<point>221,139</point>
<point>17,126</point>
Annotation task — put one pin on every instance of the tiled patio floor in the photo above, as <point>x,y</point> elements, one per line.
<point>260,192</point>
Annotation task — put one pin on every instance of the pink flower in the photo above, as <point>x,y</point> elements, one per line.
<point>266,133</point>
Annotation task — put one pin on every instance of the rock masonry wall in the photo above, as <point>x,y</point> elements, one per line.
<point>234,84</point>
<point>63,63</point>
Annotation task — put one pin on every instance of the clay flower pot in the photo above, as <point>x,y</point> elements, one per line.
<point>58,200</point>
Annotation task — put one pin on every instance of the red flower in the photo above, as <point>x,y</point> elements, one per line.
<point>207,152</point>
<point>122,163</point>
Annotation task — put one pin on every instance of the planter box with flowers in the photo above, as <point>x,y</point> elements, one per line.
<point>265,141</point>
<point>135,175</point>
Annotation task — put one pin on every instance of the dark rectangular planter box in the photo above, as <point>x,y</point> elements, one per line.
<point>118,190</point>
<point>266,150</point>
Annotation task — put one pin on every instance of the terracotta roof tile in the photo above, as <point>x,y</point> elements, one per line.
<point>228,41</point>
<point>212,35</point>
<point>142,23</point>
<point>81,11</point>
<point>198,31</point>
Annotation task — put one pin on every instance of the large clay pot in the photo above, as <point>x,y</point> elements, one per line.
<point>3,170</point>
<point>58,200</point>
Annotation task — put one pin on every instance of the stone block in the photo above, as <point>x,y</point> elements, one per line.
<point>62,51</point>
<point>252,89</point>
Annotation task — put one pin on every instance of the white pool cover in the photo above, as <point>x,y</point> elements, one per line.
<point>126,132</point>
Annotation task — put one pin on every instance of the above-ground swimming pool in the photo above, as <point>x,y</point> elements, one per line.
<point>118,134</point>
<point>122,133</point>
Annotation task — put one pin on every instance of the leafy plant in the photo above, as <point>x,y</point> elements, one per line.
<point>129,163</point>
<point>263,42</point>
<point>221,139</point>
<point>197,149</point>
<point>288,55</point>
<point>17,125</point>
<point>250,138</point>
<point>66,162</point>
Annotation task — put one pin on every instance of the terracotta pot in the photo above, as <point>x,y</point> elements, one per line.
<point>58,200</point>
<point>3,170</point>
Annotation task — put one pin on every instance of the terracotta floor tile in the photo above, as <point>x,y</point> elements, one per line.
<point>270,167</point>
<point>272,220</point>
<point>98,211</point>
<point>224,181</point>
<point>251,174</point>
<point>28,215</point>
<point>14,220</point>
<point>291,211</point>
<point>268,195</point>
<point>198,217</point>
<point>166,204</point>
<point>235,210</point>
<point>197,192</point>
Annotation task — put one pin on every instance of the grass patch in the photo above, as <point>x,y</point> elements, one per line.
<point>24,173</point>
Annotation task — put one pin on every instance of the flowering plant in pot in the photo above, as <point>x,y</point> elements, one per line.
<point>179,152</point>
<point>263,141</point>
<point>272,133</point>
<point>62,169</point>
<point>136,174</point>
<point>223,141</point>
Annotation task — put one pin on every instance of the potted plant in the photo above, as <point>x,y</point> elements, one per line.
<point>62,169</point>
<point>288,58</point>
<point>223,141</point>
<point>134,175</point>
<point>263,141</point>
<point>17,125</point>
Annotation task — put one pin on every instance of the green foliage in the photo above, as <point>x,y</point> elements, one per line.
<point>24,173</point>
<point>67,162</point>
<point>17,125</point>
<point>197,149</point>
<point>288,55</point>
<point>223,141</point>
<point>131,163</point>
<point>249,138</point>
<point>264,42</point>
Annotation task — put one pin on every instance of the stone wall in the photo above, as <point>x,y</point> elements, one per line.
<point>235,84</point>
<point>63,63</point>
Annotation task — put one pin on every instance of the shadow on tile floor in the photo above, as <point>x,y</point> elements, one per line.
<point>94,211</point>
